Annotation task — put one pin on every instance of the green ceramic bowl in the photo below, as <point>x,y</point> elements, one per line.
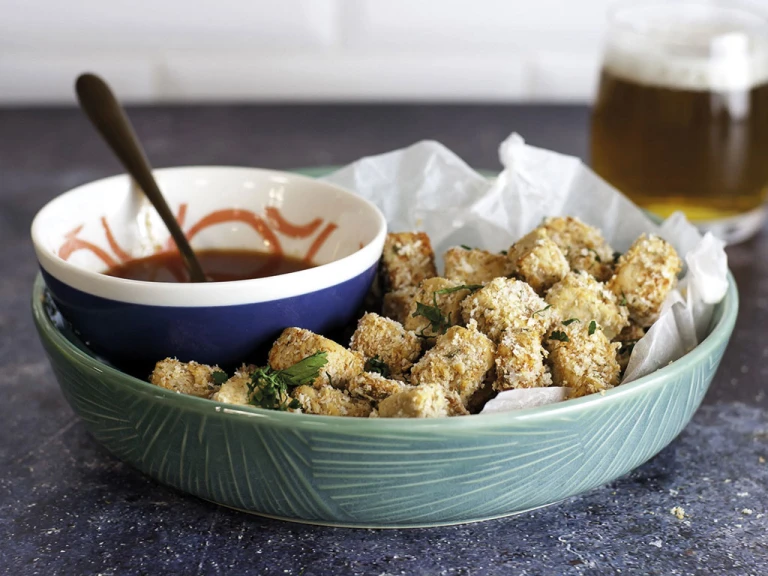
<point>377,472</point>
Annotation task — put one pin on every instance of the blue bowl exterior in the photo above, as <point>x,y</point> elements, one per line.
<point>383,472</point>
<point>138,335</point>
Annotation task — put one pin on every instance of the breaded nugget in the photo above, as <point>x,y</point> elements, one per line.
<point>579,295</point>
<point>236,390</point>
<point>424,401</point>
<point>447,313</point>
<point>537,260</point>
<point>407,259</point>
<point>330,401</point>
<point>520,361</point>
<point>644,276</point>
<point>388,342</point>
<point>397,305</point>
<point>295,344</point>
<point>460,361</point>
<point>507,303</point>
<point>375,387</point>
<point>583,245</point>
<point>474,266</point>
<point>185,377</point>
<point>584,362</point>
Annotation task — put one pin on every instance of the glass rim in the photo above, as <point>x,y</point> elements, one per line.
<point>757,17</point>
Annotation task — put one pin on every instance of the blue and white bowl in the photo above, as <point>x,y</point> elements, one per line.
<point>82,233</point>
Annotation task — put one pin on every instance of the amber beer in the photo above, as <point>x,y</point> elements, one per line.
<point>686,130</point>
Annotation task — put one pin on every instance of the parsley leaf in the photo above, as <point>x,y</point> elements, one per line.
<point>560,336</point>
<point>219,377</point>
<point>470,287</point>
<point>438,322</point>
<point>503,252</point>
<point>570,321</point>
<point>466,247</point>
<point>592,327</point>
<point>597,256</point>
<point>616,256</point>
<point>377,366</point>
<point>623,301</point>
<point>547,307</point>
<point>269,388</point>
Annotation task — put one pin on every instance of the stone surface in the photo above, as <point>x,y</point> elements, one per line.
<point>68,507</point>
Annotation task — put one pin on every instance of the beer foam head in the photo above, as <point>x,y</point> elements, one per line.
<point>688,46</point>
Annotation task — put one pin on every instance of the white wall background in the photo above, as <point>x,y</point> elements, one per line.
<point>303,50</point>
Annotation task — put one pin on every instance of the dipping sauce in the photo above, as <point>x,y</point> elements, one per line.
<point>223,265</point>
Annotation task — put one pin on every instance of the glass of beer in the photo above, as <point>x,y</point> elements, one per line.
<point>681,116</point>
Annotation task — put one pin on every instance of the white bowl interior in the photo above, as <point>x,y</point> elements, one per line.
<point>109,221</point>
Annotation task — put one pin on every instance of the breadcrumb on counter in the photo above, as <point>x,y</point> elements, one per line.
<point>644,276</point>
<point>423,401</point>
<point>386,340</point>
<point>406,260</point>
<point>537,260</point>
<point>520,361</point>
<point>330,401</point>
<point>397,305</point>
<point>583,245</point>
<point>584,362</point>
<point>507,303</point>
<point>185,377</point>
<point>295,344</point>
<point>375,387</point>
<point>236,390</point>
<point>448,304</point>
<point>460,361</point>
<point>474,266</point>
<point>579,295</point>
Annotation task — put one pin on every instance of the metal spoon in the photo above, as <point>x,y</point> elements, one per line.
<point>109,118</point>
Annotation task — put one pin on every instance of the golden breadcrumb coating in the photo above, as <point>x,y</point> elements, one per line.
<point>449,305</point>
<point>579,295</point>
<point>537,260</point>
<point>375,387</point>
<point>423,401</point>
<point>507,303</point>
<point>407,259</point>
<point>520,361</point>
<point>185,377</point>
<point>295,344</point>
<point>583,245</point>
<point>474,266</point>
<point>460,361</point>
<point>644,276</point>
<point>235,390</point>
<point>330,401</point>
<point>585,362</point>
<point>397,305</point>
<point>386,340</point>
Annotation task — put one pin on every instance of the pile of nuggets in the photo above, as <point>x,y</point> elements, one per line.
<point>559,308</point>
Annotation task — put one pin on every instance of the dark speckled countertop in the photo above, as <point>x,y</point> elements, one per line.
<point>68,507</point>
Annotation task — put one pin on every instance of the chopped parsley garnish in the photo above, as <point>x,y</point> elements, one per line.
<point>597,256</point>
<point>559,336</point>
<point>377,366</point>
<point>503,252</point>
<point>623,301</point>
<point>616,256</point>
<point>269,388</point>
<point>592,327</point>
<point>547,307</point>
<point>470,287</point>
<point>219,377</point>
<point>466,247</point>
<point>438,322</point>
<point>570,321</point>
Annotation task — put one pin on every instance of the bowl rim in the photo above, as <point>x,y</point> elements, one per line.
<point>250,291</point>
<point>376,426</point>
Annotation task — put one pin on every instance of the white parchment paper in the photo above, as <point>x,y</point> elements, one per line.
<point>426,187</point>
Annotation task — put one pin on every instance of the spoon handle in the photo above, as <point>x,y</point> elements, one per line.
<point>109,118</point>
